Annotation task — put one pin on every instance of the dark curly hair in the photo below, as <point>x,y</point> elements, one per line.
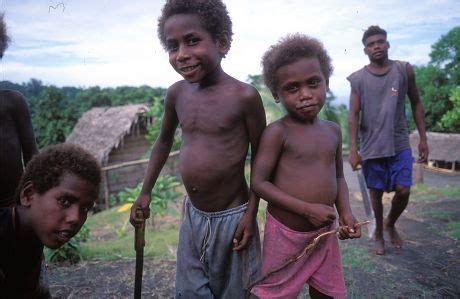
<point>4,39</point>
<point>46,169</point>
<point>290,49</point>
<point>373,30</point>
<point>213,16</point>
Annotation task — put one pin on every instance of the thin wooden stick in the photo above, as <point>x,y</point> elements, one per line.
<point>305,252</point>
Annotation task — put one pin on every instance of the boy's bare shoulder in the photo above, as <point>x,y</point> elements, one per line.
<point>331,126</point>
<point>245,91</point>
<point>277,128</point>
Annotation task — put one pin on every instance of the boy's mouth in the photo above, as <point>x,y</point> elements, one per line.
<point>188,69</point>
<point>64,235</point>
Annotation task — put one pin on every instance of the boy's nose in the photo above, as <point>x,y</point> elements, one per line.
<point>305,94</point>
<point>182,54</point>
<point>73,214</point>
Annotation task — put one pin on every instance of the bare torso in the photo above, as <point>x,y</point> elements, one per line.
<point>215,142</point>
<point>306,168</point>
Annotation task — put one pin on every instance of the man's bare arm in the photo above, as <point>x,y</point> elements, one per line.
<point>418,113</point>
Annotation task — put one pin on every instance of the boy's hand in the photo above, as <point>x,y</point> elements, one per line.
<point>349,229</point>
<point>244,232</point>
<point>354,159</point>
<point>142,203</point>
<point>320,214</point>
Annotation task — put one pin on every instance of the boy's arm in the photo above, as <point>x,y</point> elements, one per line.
<point>342,201</point>
<point>353,123</point>
<point>158,157</point>
<point>255,124</point>
<point>25,129</point>
<point>418,113</point>
<point>267,158</point>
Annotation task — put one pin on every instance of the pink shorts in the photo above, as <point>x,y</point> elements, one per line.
<point>321,269</point>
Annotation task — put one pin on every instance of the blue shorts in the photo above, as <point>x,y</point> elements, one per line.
<point>385,173</point>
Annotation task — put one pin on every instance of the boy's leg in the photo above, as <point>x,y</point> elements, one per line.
<point>191,279</point>
<point>315,294</point>
<point>230,272</point>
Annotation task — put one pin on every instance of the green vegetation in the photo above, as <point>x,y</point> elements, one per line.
<point>106,244</point>
<point>425,193</point>
<point>449,222</point>
<point>55,111</point>
<point>163,194</point>
<point>438,84</point>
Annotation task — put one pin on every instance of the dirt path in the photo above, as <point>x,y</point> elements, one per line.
<point>428,266</point>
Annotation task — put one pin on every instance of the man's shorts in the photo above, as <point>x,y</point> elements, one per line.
<point>385,173</point>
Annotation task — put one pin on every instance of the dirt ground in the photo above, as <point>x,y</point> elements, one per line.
<point>428,265</point>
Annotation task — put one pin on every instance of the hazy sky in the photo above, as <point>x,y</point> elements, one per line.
<point>113,42</point>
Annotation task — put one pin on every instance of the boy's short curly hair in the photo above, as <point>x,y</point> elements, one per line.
<point>46,169</point>
<point>4,39</point>
<point>373,30</point>
<point>213,16</point>
<point>290,49</point>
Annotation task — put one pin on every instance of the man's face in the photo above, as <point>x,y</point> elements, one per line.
<point>376,47</point>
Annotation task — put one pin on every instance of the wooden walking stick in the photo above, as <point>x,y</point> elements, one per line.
<point>139,243</point>
<point>304,252</point>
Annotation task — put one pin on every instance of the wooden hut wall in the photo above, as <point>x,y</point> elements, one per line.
<point>133,147</point>
<point>130,176</point>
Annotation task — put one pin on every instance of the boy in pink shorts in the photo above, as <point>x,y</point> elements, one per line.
<point>298,171</point>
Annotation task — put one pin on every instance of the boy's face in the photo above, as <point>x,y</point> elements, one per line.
<point>376,47</point>
<point>302,88</point>
<point>58,214</point>
<point>193,53</point>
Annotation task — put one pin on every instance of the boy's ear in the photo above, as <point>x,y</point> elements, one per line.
<point>27,194</point>
<point>223,42</point>
<point>276,97</point>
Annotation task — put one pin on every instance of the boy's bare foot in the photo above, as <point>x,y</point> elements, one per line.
<point>379,245</point>
<point>394,236</point>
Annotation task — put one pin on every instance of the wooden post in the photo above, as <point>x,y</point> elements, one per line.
<point>106,188</point>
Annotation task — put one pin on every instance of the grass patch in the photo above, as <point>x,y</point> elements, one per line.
<point>355,256</point>
<point>454,229</point>
<point>422,192</point>
<point>439,214</point>
<point>158,243</point>
<point>112,237</point>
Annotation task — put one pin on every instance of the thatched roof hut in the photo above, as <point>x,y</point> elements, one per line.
<point>444,147</point>
<point>101,130</point>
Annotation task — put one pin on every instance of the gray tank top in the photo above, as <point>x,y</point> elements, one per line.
<point>383,126</point>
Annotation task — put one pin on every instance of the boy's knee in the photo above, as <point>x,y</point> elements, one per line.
<point>402,191</point>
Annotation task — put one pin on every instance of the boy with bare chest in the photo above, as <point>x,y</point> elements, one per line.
<point>298,171</point>
<point>219,117</point>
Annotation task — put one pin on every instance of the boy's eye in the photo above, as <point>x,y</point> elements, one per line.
<point>291,88</point>
<point>314,82</point>
<point>64,201</point>
<point>192,41</point>
<point>171,47</point>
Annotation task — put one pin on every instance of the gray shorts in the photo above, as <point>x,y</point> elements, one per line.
<point>207,267</point>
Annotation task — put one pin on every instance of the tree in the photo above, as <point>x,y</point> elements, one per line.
<point>438,80</point>
<point>53,119</point>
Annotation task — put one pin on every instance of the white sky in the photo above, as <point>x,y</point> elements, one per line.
<point>114,42</point>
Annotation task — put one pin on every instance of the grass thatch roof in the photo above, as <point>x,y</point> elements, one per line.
<point>100,130</point>
<point>442,146</point>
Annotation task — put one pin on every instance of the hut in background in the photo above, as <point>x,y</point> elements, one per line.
<point>444,150</point>
<point>116,137</point>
